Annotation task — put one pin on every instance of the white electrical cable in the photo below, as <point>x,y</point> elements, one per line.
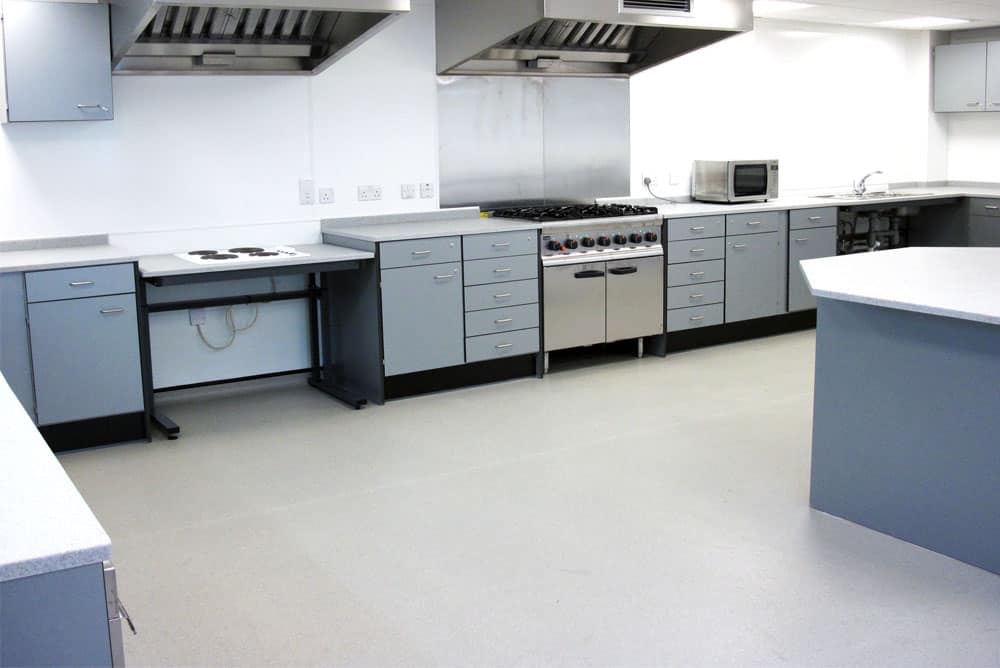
<point>204,339</point>
<point>232,323</point>
<point>647,182</point>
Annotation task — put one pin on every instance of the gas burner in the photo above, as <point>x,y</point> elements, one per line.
<point>220,256</point>
<point>264,253</point>
<point>203,252</point>
<point>545,214</point>
<point>246,249</point>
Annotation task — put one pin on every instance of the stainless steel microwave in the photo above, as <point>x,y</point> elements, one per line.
<point>734,180</point>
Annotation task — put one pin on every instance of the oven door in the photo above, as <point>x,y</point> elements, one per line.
<point>635,298</point>
<point>749,180</point>
<point>574,305</point>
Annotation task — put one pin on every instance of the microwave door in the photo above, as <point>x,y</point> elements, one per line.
<point>748,179</point>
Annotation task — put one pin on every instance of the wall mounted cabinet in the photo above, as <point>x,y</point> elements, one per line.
<point>967,77</point>
<point>57,60</point>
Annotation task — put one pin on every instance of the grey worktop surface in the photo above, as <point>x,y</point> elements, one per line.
<point>60,258</point>
<point>401,231</point>
<point>45,525</point>
<point>151,266</point>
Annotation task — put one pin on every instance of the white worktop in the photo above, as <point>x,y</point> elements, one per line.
<point>425,229</point>
<point>952,282</point>
<point>60,258</point>
<point>45,525</point>
<point>152,266</point>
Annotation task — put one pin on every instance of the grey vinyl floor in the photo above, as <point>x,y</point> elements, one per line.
<point>624,513</point>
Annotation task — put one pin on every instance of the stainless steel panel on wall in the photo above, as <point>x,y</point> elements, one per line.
<point>529,139</point>
<point>586,138</point>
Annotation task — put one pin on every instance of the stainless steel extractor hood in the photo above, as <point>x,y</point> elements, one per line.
<point>579,37</point>
<point>242,36</point>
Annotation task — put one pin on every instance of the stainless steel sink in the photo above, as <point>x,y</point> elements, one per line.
<point>873,196</point>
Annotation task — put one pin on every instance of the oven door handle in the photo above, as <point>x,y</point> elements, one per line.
<point>622,271</point>
<point>589,273</point>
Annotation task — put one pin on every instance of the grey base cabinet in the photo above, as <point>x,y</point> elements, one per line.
<point>756,265</point>
<point>15,353</point>
<point>806,244</point>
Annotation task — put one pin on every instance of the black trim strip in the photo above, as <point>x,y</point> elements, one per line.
<point>259,298</point>
<point>253,272</point>
<point>96,431</point>
<point>740,331</point>
<point>227,381</point>
<point>476,373</point>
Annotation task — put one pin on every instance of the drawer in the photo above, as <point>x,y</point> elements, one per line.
<point>496,346</point>
<point>755,223</point>
<point>498,270</point>
<point>984,207</point>
<point>691,318</point>
<point>420,251</point>
<point>800,219</point>
<point>696,250</point>
<point>107,279</point>
<point>500,244</point>
<point>479,297</point>
<point>496,320</point>
<point>696,295</point>
<point>696,272</point>
<point>681,229</point>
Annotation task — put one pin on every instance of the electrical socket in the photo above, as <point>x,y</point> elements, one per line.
<point>307,192</point>
<point>326,195</point>
<point>408,191</point>
<point>426,190</point>
<point>196,316</point>
<point>369,193</point>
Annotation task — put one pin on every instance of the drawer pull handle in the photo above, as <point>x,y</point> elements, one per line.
<point>698,229</point>
<point>622,271</point>
<point>423,252</point>
<point>589,273</point>
<point>503,321</point>
<point>696,274</point>
<point>696,318</point>
<point>991,207</point>
<point>442,277</point>
<point>80,284</point>
<point>109,311</point>
<point>801,240</point>
<point>754,223</point>
<point>996,104</point>
<point>83,107</point>
<point>972,104</point>
<point>696,297</point>
<point>696,251</point>
<point>739,245</point>
<point>503,295</point>
<point>815,217</point>
<point>502,346</point>
<point>506,244</point>
<point>502,270</point>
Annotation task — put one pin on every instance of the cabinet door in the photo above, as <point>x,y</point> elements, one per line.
<point>993,77</point>
<point>984,231</point>
<point>634,298</point>
<point>58,61</point>
<point>960,77</point>
<point>754,287</point>
<point>15,356</point>
<point>422,318</point>
<point>85,355</point>
<point>806,245</point>
<point>574,305</point>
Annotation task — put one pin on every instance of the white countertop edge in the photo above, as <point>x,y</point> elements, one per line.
<point>172,265</point>
<point>928,309</point>
<point>387,232</point>
<point>63,258</point>
<point>55,562</point>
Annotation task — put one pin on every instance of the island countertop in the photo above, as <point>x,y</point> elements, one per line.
<point>45,525</point>
<point>951,282</point>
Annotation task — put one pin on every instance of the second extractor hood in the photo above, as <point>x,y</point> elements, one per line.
<point>615,38</point>
<point>241,36</point>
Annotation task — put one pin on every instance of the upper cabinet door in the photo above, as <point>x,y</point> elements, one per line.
<point>960,77</point>
<point>993,77</point>
<point>58,61</point>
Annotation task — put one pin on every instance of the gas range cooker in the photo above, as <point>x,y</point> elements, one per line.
<point>240,255</point>
<point>574,212</point>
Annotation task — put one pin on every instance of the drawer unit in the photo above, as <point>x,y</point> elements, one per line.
<point>800,219</point>
<point>497,270</point>
<point>681,319</point>
<point>497,320</point>
<point>681,229</point>
<point>696,295</point>
<point>806,245</point>
<point>755,223</point>
<point>500,244</point>
<point>979,206</point>
<point>696,250</point>
<point>480,297</point>
<point>496,346</point>
<point>696,272</point>
<point>420,251</point>
<point>107,279</point>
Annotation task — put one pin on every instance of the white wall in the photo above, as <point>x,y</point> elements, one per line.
<point>974,147</point>
<point>830,102</point>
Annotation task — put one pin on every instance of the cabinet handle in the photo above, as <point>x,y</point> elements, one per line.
<point>503,295</point>
<point>697,251</point>
<point>996,104</point>
<point>442,277</point>
<point>698,229</point>
<point>754,223</point>
<point>697,317</point>
<point>84,107</point>
<point>696,297</point>
<point>991,207</point>
<point>739,245</point>
<point>801,240</point>
<point>502,271</point>
<point>109,311</point>
<point>80,284</point>
<point>424,252</point>
<point>506,244</point>
<point>501,346</point>
<point>815,218</point>
<point>972,104</point>
<point>696,274</point>
<point>503,321</point>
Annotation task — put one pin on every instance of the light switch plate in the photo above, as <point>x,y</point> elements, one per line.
<point>307,192</point>
<point>408,191</point>
<point>426,190</point>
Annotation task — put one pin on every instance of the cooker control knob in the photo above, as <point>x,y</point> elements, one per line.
<point>652,236</point>
<point>554,246</point>
<point>571,243</point>
<point>603,241</point>
<point>635,238</point>
<point>587,242</point>
<point>620,238</point>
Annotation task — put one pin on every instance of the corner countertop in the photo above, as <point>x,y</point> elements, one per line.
<point>378,232</point>
<point>152,266</point>
<point>60,258</point>
<point>951,282</point>
<point>45,525</point>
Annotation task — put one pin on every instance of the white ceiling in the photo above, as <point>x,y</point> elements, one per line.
<point>980,13</point>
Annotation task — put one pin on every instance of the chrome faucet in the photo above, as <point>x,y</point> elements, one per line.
<point>861,187</point>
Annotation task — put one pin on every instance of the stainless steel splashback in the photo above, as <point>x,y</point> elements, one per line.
<point>507,140</point>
